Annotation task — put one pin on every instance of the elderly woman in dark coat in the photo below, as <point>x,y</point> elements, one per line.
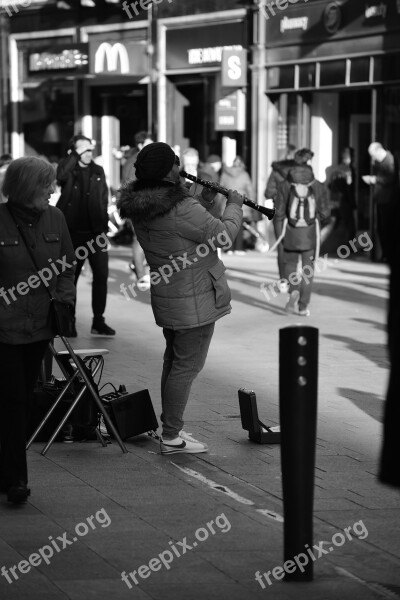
<point>25,324</point>
<point>189,289</point>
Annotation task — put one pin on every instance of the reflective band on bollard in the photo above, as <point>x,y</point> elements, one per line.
<point>298,394</point>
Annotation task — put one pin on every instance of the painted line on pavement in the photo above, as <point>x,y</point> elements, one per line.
<point>375,587</point>
<point>225,490</point>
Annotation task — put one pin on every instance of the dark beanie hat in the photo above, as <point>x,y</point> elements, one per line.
<point>303,156</point>
<point>301,174</point>
<point>154,161</point>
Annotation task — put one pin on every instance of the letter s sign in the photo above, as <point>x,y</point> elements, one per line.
<point>234,68</point>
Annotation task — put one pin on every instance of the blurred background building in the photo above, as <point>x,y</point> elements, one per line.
<point>226,77</point>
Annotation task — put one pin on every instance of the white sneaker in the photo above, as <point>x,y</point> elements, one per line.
<point>283,287</point>
<point>183,443</point>
<point>291,306</point>
<point>143,284</point>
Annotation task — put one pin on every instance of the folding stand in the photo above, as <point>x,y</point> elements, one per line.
<point>258,432</point>
<point>79,368</point>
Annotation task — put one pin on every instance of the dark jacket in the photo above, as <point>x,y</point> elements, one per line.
<point>280,170</point>
<point>24,301</point>
<point>300,238</point>
<point>71,194</point>
<point>180,240</point>
<point>386,189</point>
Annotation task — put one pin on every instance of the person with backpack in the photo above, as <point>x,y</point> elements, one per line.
<point>301,208</point>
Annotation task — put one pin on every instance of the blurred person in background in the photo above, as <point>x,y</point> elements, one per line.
<point>25,319</point>
<point>340,180</point>
<point>385,180</point>
<point>279,174</point>
<point>84,202</point>
<point>237,178</point>
<point>301,208</point>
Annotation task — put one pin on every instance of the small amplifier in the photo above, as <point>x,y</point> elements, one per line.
<point>131,414</point>
<point>258,432</point>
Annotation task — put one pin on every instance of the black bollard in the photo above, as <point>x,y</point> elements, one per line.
<point>298,382</point>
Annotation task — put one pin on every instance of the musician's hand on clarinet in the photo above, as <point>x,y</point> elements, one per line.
<point>235,198</point>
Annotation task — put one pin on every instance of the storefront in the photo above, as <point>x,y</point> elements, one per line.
<point>97,86</point>
<point>333,80</point>
<point>191,94</point>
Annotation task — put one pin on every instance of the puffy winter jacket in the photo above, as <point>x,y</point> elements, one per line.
<point>180,240</point>
<point>24,301</point>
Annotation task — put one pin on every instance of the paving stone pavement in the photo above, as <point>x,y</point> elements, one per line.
<point>144,505</point>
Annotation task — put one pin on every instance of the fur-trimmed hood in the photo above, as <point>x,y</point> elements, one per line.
<point>147,200</point>
<point>283,166</point>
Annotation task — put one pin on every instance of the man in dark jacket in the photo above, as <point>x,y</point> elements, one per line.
<point>189,289</point>
<point>385,180</point>
<point>84,201</point>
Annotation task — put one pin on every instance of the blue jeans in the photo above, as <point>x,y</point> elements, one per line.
<point>184,357</point>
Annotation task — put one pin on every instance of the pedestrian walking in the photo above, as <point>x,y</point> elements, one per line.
<point>279,174</point>
<point>25,319</point>
<point>189,289</point>
<point>385,179</point>
<point>340,181</point>
<point>301,208</point>
<point>84,201</point>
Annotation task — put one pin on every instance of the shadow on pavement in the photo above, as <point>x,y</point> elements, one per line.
<point>369,403</point>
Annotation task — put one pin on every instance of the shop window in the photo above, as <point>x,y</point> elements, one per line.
<point>387,68</point>
<point>359,70</point>
<point>281,77</point>
<point>333,73</point>
<point>307,75</point>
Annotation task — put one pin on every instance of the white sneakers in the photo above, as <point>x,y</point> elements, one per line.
<point>292,305</point>
<point>184,443</point>
<point>143,284</point>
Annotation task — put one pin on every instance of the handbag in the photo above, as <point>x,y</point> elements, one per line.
<point>61,313</point>
<point>62,318</point>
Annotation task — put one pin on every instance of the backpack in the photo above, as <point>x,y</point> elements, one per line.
<point>301,211</point>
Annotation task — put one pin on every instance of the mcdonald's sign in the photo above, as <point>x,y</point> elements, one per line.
<point>111,58</point>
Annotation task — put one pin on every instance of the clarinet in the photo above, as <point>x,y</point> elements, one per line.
<point>211,185</point>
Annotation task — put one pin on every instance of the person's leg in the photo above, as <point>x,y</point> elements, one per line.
<point>307,269</point>
<point>19,370</point>
<point>185,356</point>
<point>290,260</point>
<point>98,260</point>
